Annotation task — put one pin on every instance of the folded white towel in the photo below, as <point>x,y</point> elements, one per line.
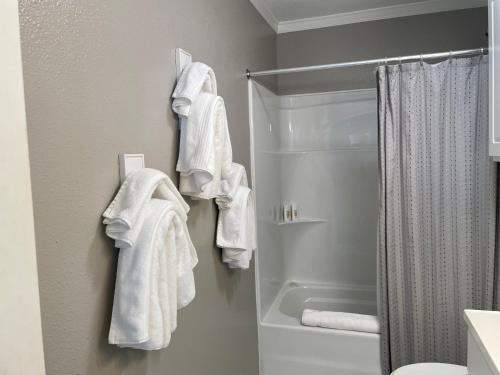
<point>237,177</point>
<point>341,320</point>
<point>205,154</point>
<point>195,78</point>
<point>154,277</point>
<point>236,230</point>
<point>123,216</point>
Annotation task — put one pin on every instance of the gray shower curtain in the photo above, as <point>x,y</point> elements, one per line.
<point>437,220</point>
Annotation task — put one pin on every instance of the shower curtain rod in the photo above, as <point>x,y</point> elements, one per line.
<point>385,60</point>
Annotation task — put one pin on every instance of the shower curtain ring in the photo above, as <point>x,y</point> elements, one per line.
<point>421,59</point>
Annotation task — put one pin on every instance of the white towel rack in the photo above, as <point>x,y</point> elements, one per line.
<point>130,163</point>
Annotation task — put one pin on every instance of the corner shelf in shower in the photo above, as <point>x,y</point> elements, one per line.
<point>319,151</point>
<point>302,220</point>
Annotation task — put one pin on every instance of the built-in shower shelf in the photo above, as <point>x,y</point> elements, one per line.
<point>302,220</point>
<point>320,151</point>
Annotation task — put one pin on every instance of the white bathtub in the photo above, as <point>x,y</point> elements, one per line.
<point>288,348</point>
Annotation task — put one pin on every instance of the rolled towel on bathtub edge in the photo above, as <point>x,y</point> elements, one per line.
<point>341,320</point>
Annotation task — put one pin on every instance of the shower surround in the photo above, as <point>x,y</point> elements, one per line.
<point>319,153</point>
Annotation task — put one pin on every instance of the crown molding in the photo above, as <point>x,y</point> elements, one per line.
<point>394,11</point>
<point>266,13</point>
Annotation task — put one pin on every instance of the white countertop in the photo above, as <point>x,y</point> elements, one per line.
<point>485,328</point>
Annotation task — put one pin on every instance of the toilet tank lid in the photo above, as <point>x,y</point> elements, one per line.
<point>431,369</point>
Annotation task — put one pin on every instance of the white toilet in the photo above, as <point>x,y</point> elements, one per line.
<point>431,369</point>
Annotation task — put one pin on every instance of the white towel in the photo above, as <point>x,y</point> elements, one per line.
<point>205,154</point>
<point>341,320</point>
<point>154,280</point>
<point>237,177</point>
<point>195,78</point>
<point>124,215</point>
<point>154,277</point>
<point>236,230</point>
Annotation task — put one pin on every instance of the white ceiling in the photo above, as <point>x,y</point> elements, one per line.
<point>295,15</point>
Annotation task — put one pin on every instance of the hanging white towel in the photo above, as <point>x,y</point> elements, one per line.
<point>237,177</point>
<point>341,320</point>
<point>236,230</point>
<point>205,154</point>
<point>154,280</point>
<point>124,214</point>
<point>195,78</point>
<point>154,277</point>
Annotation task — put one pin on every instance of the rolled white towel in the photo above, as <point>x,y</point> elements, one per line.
<point>341,320</point>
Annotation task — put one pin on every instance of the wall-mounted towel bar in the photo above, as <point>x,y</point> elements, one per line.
<point>182,58</point>
<point>130,163</point>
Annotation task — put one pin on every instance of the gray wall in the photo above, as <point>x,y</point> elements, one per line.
<point>387,38</point>
<point>98,79</point>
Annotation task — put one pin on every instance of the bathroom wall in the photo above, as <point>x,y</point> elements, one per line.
<point>368,40</point>
<point>98,79</point>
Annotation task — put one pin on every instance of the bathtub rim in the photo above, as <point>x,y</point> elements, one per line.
<point>291,285</point>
